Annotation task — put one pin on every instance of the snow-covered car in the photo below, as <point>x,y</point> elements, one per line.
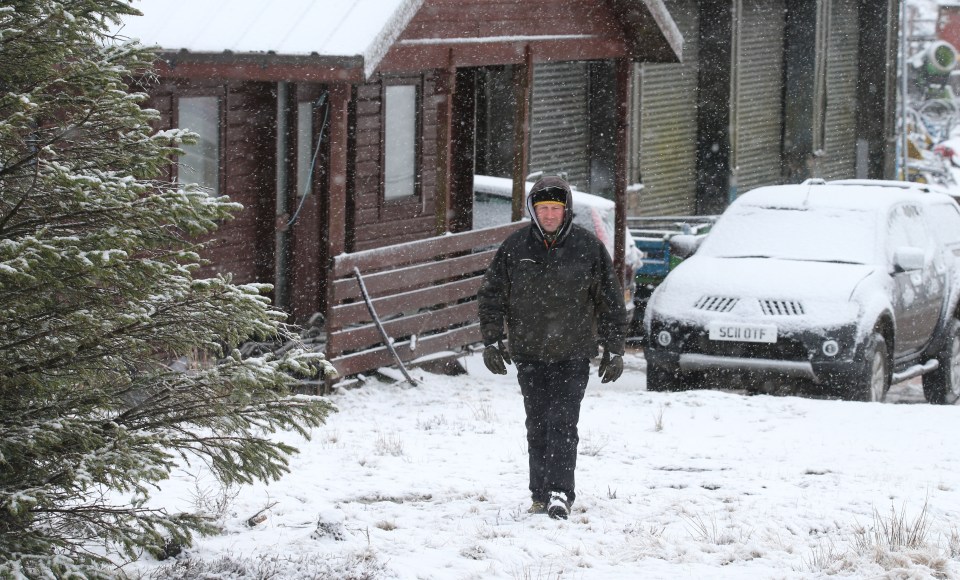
<point>492,206</point>
<point>846,285</point>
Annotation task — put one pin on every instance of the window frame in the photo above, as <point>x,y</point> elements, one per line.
<point>408,205</point>
<point>220,93</point>
<point>306,94</point>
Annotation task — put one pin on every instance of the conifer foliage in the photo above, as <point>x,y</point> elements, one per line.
<point>98,296</point>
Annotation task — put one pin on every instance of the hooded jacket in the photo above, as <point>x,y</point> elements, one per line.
<point>552,301</point>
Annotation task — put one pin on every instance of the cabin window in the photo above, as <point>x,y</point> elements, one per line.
<point>200,162</point>
<point>304,146</point>
<point>400,141</point>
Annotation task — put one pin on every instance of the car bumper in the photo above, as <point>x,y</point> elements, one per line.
<point>706,362</point>
<point>820,372</point>
<point>797,354</point>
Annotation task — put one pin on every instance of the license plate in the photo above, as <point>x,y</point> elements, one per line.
<point>743,332</point>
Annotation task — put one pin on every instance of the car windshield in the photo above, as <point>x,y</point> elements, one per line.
<point>813,234</point>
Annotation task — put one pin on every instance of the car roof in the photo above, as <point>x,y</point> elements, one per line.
<point>841,194</point>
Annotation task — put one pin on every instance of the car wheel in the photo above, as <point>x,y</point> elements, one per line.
<point>660,379</point>
<point>942,386</point>
<point>874,379</point>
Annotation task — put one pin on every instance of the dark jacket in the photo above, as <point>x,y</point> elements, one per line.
<point>556,303</point>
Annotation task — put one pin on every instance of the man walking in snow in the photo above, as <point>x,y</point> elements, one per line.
<point>552,293</point>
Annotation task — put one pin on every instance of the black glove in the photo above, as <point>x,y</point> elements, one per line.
<point>611,367</point>
<point>494,355</point>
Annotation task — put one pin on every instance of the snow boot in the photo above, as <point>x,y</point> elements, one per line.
<point>559,507</point>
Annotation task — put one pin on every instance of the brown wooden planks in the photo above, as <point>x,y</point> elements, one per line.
<point>411,277</point>
<point>366,336</point>
<point>392,256</point>
<point>407,302</point>
<point>380,357</point>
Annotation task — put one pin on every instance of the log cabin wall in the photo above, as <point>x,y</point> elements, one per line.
<point>380,222</point>
<point>242,246</point>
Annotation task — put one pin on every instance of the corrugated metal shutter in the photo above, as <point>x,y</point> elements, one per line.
<point>757,93</point>
<point>559,135</point>
<point>668,124</point>
<point>840,137</point>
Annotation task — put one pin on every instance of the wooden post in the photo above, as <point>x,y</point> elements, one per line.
<point>620,166</point>
<point>446,85</point>
<point>336,214</point>
<point>305,219</point>
<point>463,135</point>
<point>523,85</point>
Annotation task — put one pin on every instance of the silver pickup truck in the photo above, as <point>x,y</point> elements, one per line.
<point>846,286</point>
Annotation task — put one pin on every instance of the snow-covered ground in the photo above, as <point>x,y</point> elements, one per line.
<point>429,482</point>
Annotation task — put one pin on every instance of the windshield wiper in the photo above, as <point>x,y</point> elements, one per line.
<point>831,261</point>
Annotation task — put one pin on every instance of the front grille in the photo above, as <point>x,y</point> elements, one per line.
<point>785,348</point>
<point>781,307</point>
<point>716,303</point>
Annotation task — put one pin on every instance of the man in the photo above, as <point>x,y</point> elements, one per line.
<point>551,292</point>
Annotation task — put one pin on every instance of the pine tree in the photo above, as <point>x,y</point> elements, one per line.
<point>98,295</point>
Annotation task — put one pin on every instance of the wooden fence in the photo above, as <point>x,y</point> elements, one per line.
<point>423,292</point>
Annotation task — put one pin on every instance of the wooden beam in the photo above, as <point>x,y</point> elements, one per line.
<point>523,85</point>
<point>306,220</point>
<point>622,106</point>
<point>339,139</point>
<point>257,67</point>
<point>463,150</point>
<point>425,346</point>
<point>406,57</point>
<point>368,335</point>
<point>336,214</point>
<point>378,259</point>
<point>403,279</point>
<point>414,300</point>
<point>445,88</point>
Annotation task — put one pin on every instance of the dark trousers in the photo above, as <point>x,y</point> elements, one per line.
<point>552,393</point>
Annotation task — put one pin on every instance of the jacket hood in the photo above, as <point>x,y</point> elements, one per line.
<point>551,187</point>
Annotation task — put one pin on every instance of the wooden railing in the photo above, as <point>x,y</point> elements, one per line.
<point>423,292</point>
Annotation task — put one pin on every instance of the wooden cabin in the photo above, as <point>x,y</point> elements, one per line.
<point>349,131</point>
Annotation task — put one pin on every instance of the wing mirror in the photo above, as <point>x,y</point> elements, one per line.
<point>907,258</point>
<point>685,245</point>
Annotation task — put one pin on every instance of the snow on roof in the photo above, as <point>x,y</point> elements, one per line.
<point>340,28</point>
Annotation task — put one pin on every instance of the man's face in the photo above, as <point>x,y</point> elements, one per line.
<point>550,216</point>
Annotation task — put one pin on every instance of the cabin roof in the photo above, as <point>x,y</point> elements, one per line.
<point>348,35</point>
<point>334,31</point>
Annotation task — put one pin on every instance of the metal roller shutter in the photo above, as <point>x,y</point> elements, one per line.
<point>840,135</point>
<point>668,124</point>
<point>559,136</point>
<point>757,93</point>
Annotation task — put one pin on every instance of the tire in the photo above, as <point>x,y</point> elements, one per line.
<point>660,379</point>
<point>942,386</point>
<point>874,380</point>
